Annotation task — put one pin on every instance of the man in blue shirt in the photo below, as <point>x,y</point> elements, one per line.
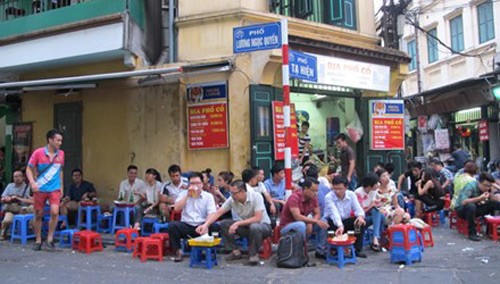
<point>275,185</point>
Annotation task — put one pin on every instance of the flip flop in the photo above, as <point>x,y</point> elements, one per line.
<point>375,248</point>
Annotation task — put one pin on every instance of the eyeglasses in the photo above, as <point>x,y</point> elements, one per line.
<point>195,183</point>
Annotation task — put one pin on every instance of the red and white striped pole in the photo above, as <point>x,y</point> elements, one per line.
<point>286,104</point>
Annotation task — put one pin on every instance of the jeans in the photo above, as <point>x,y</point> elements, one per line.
<point>298,226</point>
<point>255,232</point>
<point>472,210</point>
<point>377,220</point>
<point>353,184</point>
<point>321,239</point>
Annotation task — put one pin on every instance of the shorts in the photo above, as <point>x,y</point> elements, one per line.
<point>39,198</point>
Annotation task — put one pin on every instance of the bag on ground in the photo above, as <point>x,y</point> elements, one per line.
<point>292,251</point>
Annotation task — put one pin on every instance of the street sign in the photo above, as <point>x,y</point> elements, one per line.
<point>303,66</point>
<point>257,37</point>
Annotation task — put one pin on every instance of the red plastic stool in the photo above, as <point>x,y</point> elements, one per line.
<point>447,202</point>
<point>139,247</point>
<point>427,236</point>
<point>164,237</point>
<point>463,227</point>
<point>431,218</point>
<point>267,249</point>
<point>124,239</point>
<point>453,219</point>
<point>152,249</point>
<point>174,216</point>
<point>277,234</point>
<point>493,224</point>
<point>87,241</point>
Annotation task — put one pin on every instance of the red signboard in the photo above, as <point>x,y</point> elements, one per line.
<point>279,131</point>
<point>484,130</point>
<point>387,133</point>
<point>207,126</point>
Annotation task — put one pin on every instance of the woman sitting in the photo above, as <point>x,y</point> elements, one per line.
<point>430,191</point>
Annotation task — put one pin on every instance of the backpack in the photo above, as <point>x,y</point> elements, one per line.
<point>292,251</point>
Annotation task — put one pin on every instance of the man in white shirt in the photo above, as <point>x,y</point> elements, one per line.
<point>338,207</point>
<point>131,187</point>
<point>196,205</point>
<point>253,179</point>
<point>171,190</point>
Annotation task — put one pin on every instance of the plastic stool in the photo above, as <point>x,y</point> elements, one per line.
<point>157,227</point>
<point>148,222</point>
<point>87,210</point>
<point>398,254</point>
<point>267,249</point>
<point>57,231</point>
<point>138,247</point>
<point>242,242</point>
<point>185,247</point>
<point>87,241</point>
<point>493,224</point>
<point>203,257</point>
<point>152,249</point>
<point>277,234</point>
<point>124,222</point>
<point>164,237</point>
<point>442,217</point>
<point>431,218</point>
<point>341,259</point>
<point>463,227</point>
<point>367,237</point>
<point>427,236</point>
<point>125,238</point>
<point>19,229</point>
<point>174,216</point>
<point>447,202</point>
<point>404,244</point>
<point>107,220</point>
<point>66,238</point>
<point>453,219</point>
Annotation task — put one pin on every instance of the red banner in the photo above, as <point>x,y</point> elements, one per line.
<point>387,133</point>
<point>484,130</point>
<point>207,126</point>
<point>279,131</point>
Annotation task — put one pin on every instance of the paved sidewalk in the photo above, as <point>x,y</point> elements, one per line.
<point>454,259</point>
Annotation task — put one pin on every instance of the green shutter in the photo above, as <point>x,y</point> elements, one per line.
<point>334,11</point>
<point>303,8</point>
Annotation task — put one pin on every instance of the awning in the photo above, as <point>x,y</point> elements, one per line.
<point>465,94</point>
<point>149,77</point>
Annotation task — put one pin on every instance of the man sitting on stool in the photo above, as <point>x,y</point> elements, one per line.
<point>79,190</point>
<point>196,206</point>
<point>338,206</point>
<point>252,221</point>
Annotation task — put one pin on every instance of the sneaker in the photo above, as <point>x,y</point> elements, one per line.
<point>320,255</point>
<point>474,238</point>
<point>49,246</point>
<point>253,260</point>
<point>37,247</point>
<point>232,256</point>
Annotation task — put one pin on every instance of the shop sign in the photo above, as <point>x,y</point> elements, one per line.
<point>206,91</point>
<point>353,74</point>
<point>422,123</point>
<point>257,37</point>
<point>303,66</point>
<point>484,130</point>
<point>279,131</point>
<point>387,125</point>
<point>207,126</point>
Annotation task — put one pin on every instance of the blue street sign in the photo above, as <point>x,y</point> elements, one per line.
<point>257,37</point>
<point>303,66</point>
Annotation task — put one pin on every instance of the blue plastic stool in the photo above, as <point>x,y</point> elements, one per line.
<point>66,238</point>
<point>399,254</point>
<point>124,221</point>
<point>200,259</point>
<point>340,259</point>
<point>57,231</point>
<point>367,237</point>
<point>442,217</point>
<point>185,247</point>
<point>157,227</point>
<point>242,242</point>
<point>148,222</point>
<point>88,210</point>
<point>107,220</point>
<point>20,228</point>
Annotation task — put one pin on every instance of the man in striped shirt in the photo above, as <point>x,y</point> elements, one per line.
<point>304,141</point>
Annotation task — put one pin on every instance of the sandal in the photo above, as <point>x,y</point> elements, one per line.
<point>375,248</point>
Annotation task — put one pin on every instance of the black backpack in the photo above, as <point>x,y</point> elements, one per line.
<point>292,251</point>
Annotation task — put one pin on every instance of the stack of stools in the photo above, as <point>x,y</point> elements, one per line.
<point>121,217</point>
<point>404,244</point>
<point>20,228</point>
<point>203,254</point>
<point>432,218</point>
<point>87,211</point>
<point>66,238</point>
<point>493,225</point>
<point>125,238</point>
<point>340,246</point>
<point>87,241</point>
<point>148,248</point>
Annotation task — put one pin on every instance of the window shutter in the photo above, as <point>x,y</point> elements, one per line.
<point>334,11</point>
<point>303,8</point>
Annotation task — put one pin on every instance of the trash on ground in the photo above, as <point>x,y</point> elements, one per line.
<point>450,244</point>
<point>467,249</point>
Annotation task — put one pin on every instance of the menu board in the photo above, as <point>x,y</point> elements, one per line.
<point>387,125</point>
<point>280,134</point>
<point>207,126</point>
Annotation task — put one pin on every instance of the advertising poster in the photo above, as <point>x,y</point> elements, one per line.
<point>279,131</point>
<point>387,125</point>
<point>207,91</point>
<point>207,126</point>
<point>21,144</point>
<point>442,138</point>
